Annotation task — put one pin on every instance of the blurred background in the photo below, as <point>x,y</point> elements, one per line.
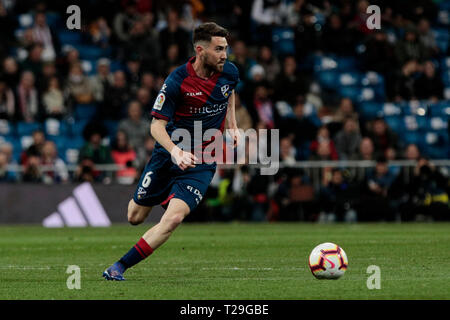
<point>363,114</point>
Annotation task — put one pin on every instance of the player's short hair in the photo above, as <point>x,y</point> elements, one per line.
<point>205,31</point>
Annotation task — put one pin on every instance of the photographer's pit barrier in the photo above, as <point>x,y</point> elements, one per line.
<point>68,205</point>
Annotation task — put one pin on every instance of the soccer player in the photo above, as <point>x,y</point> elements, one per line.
<point>202,90</point>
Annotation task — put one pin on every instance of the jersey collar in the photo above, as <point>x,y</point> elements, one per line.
<point>191,71</point>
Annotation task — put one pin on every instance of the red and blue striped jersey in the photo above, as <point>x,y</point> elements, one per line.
<point>185,98</point>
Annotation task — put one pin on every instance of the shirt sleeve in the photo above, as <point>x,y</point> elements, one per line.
<point>165,103</point>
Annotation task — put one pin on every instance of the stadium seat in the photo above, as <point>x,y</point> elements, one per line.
<point>27,129</point>
<point>25,20</point>
<point>111,126</point>
<point>328,79</point>
<point>71,37</point>
<point>53,20</point>
<point>414,123</point>
<point>89,52</point>
<point>55,127</point>
<point>60,142</point>
<point>391,109</point>
<point>6,128</point>
<point>85,111</point>
<point>350,79</point>
<point>283,41</point>
<point>396,123</point>
<point>370,110</point>
<point>415,137</point>
<point>77,128</point>
<point>440,110</point>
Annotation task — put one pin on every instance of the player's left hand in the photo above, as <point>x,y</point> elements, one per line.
<point>235,135</point>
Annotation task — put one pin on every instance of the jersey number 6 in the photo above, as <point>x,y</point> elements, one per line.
<point>147,179</point>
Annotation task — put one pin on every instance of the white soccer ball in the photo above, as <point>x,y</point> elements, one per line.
<point>328,261</point>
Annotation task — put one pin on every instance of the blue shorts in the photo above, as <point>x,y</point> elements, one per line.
<point>163,180</point>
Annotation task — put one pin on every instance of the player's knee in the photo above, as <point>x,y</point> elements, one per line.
<point>133,219</point>
<point>174,221</point>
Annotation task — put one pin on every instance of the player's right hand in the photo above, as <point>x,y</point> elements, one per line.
<point>183,159</point>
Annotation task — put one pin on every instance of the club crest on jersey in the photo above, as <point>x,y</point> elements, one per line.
<point>159,101</point>
<point>224,90</point>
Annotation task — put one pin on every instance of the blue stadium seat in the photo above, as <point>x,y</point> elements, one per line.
<point>440,110</point>
<point>89,52</point>
<point>446,77</point>
<point>328,79</point>
<point>27,129</point>
<point>415,137</point>
<point>72,37</point>
<point>415,123</point>
<point>53,20</point>
<point>60,142</point>
<point>85,111</point>
<point>283,41</point>
<point>350,79</point>
<point>111,126</point>
<point>77,128</point>
<point>370,110</point>
<point>116,66</point>
<point>391,109</point>
<point>6,128</point>
<point>55,127</point>
<point>396,123</point>
<point>331,62</point>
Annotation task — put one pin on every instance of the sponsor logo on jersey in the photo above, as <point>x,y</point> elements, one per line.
<point>209,109</point>
<point>194,94</point>
<point>159,101</point>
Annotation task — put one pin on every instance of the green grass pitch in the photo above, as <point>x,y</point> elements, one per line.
<point>227,261</point>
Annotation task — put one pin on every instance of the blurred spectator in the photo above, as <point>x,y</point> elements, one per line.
<point>93,153</point>
<point>7,24</point>
<point>264,106</point>
<point>429,85</point>
<point>306,35</point>
<point>427,37</point>
<point>428,194</point>
<point>32,172</point>
<point>116,97</point>
<point>78,86</point>
<point>366,150</point>
<point>348,140</point>
<point>146,46</point>
<point>71,58</point>
<point>383,137</point>
<point>11,72</point>
<point>269,62</point>
<point>48,71</point>
<point>135,126</point>
<point>345,110</point>
<point>124,20</point>
<point>379,55</point>
<point>404,83</point>
<point>144,98</point>
<point>27,107</point>
<point>175,34</point>
<point>133,73</point>
<point>7,101</point>
<point>6,175</point>
<point>240,57</point>
<point>337,198</point>
<point>148,82</point>
<point>124,155</point>
<point>243,118</point>
<point>288,83</point>
<point>50,157</point>
<point>100,32</point>
<point>375,204</point>
<point>33,62</point>
<point>287,151</point>
<point>323,147</point>
<point>53,100</point>
<point>35,149</point>
<point>303,129</point>
<point>336,39</point>
<point>265,14</point>
<point>410,48</point>
<point>101,81</point>
<point>257,78</point>
<point>44,35</point>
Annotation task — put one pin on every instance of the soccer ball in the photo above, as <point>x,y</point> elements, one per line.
<point>328,261</point>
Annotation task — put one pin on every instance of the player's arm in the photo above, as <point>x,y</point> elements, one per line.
<point>231,119</point>
<point>158,130</point>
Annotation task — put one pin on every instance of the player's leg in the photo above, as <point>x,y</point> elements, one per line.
<point>137,213</point>
<point>152,239</point>
<point>172,218</point>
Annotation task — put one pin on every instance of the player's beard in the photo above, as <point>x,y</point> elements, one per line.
<point>212,66</point>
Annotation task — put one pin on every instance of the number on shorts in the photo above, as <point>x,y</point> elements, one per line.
<point>147,179</point>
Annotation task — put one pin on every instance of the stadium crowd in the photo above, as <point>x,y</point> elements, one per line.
<point>73,100</point>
